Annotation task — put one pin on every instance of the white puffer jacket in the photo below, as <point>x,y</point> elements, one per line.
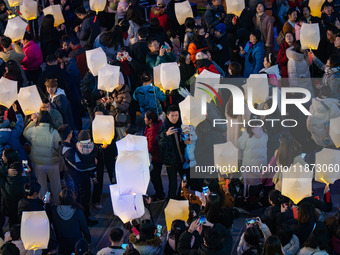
<point>319,120</point>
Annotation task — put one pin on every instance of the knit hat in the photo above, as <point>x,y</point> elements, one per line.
<point>83,136</point>
<point>221,28</point>
<point>199,56</point>
<point>81,247</point>
<point>64,131</point>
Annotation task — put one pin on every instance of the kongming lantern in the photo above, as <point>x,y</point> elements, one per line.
<point>29,99</point>
<point>191,112</point>
<point>97,5</point>
<point>13,3</point>
<point>35,230</point>
<point>176,210</point>
<point>235,7</point>
<point>132,165</point>
<point>103,129</point>
<point>170,76</point>
<point>55,11</point>
<point>259,87</point>
<point>315,7</point>
<point>334,131</point>
<point>9,90</point>
<point>310,36</point>
<point>95,59</point>
<point>328,160</point>
<point>29,9</point>
<point>205,85</point>
<point>126,207</point>
<point>15,28</point>
<point>157,76</point>
<point>296,183</point>
<point>183,10</point>
<point>226,157</point>
<point>108,77</point>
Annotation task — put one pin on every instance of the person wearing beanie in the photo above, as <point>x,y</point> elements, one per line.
<point>59,101</point>
<point>219,46</point>
<point>203,63</point>
<point>253,53</point>
<point>80,160</point>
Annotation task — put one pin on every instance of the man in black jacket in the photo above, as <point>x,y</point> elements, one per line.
<point>140,48</point>
<point>172,148</point>
<point>88,31</point>
<point>219,46</point>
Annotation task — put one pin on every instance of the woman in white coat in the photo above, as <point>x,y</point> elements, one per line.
<point>298,68</point>
<point>323,108</point>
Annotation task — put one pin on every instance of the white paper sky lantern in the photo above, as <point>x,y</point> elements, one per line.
<point>205,81</point>
<point>235,7</point>
<point>9,90</point>
<point>13,3</point>
<point>95,59</point>
<point>297,184</point>
<point>29,10</point>
<point>55,11</point>
<point>226,157</point>
<point>103,129</point>
<point>132,165</point>
<point>334,131</point>
<point>97,5</point>
<point>328,160</point>
<point>259,86</point>
<point>170,76</point>
<point>191,112</point>
<point>157,76</point>
<point>310,36</point>
<point>35,230</point>
<point>126,207</point>
<point>176,210</point>
<point>315,7</point>
<point>183,10</point>
<point>15,28</point>
<point>108,77</point>
<point>29,100</point>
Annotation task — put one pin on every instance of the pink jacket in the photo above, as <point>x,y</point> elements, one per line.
<point>33,56</point>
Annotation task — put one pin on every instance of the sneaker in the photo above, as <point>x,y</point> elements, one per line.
<point>91,221</point>
<point>97,206</point>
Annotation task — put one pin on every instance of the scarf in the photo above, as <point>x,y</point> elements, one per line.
<point>126,68</point>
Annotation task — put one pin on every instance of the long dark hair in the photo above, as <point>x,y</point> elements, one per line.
<point>252,237</point>
<point>45,117</point>
<point>11,156</point>
<point>272,246</point>
<point>177,228</point>
<point>47,25</point>
<point>67,197</point>
<point>289,148</point>
<point>196,33</point>
<point>31,188</point>
<point>213,208</point>
<point>134,15</point>
<point>182,57</point>
<point>14,72</point>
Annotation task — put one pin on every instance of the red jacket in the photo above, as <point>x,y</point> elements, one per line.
<point>33,56</point>
<point>210,68</point>
<point>282,59</point>
<point>78,52</point>
<point>160,14</point>
<point>151,135</point>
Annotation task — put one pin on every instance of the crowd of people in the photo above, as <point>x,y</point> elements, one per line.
<point>50,162</point>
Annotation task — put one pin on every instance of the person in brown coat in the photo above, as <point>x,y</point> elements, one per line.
<point>289,26</point>
<point>265,24</point>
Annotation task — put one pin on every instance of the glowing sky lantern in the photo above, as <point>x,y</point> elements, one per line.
<point>103,129</point>
<point>183,10</point>
<point>55,11</point>
<point>296,183</point>
<point>205,85</point>
<point>170,76</point>
<point>315,7</point>
<point>334,131</point>
<point>259,85</point>
<point>97,5</point>
<point>310,36</point>
<point>13,3</point>
<point>157,76</point>
<point>132,165</point>
<point>29,9</point>
<point>328,160</point>
<point>15,28</point>
<point>96,59</point>
<point>35,230</point>
<point>9,90</point>
<point>235,7</point>
<point>176,210</point>
<point>108,77</point>
<point>190,109</point>
<point>226,157</point>
<point>29,99</point>
<point>126,207</point>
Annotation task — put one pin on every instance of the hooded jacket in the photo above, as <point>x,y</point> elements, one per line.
<point>121,95</point>
<point>318,122</point>
<point>148,247</point>
<point>211,16</point>
<point>61,103</point>
<point>254,56</point>
<point>151,136</point>
<point>160,14</point>
<point>88,32</point>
